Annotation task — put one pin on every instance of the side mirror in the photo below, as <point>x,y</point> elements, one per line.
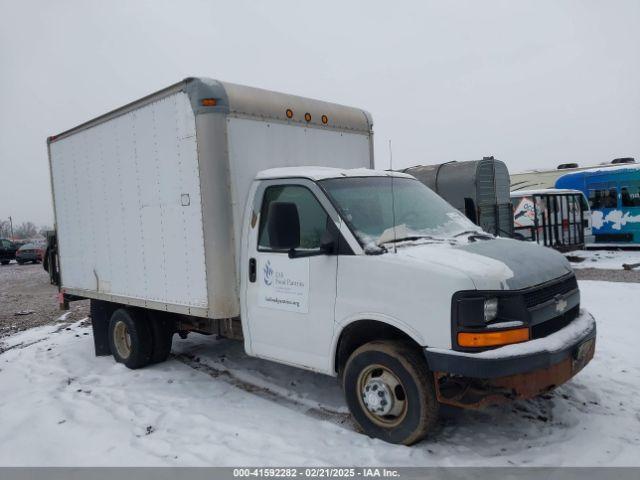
<point>283,225</point>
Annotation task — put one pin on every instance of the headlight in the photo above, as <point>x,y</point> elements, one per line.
<point>490,309</point>
<point>476,312</point>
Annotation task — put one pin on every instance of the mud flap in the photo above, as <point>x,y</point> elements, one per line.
<point>100,313</point>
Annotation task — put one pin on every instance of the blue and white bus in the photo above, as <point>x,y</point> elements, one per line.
<point>614,198</point>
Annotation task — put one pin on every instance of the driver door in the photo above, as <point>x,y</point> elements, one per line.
<point>290,301</point>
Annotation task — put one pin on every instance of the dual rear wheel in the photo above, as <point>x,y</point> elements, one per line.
<point>136,339</point>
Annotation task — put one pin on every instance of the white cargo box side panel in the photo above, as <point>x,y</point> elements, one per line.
<point>127,203</point>
<point>256,145</point>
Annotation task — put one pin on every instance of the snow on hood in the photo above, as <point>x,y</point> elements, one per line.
<point>496,264</point>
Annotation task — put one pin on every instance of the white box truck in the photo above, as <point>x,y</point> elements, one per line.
<point>222,209</point>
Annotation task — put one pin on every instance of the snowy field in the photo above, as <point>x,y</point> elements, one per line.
<point>604,259</point>
<point>211,405</point>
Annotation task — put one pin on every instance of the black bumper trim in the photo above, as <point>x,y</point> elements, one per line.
<point>486,368</point>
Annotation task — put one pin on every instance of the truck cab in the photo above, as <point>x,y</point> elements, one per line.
<point>371,276</point>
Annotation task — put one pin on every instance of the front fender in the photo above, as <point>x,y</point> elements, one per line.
<point>341,325</point>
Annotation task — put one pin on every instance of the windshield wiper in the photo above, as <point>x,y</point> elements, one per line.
<point>412,237</point>
<point>468,232</point>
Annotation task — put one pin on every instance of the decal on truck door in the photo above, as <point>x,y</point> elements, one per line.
<point>284,283</point>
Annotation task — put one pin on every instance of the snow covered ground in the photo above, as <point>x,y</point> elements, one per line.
<point>605,259</point>
<point>212,405</point>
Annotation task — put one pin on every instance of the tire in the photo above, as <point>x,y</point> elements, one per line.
<point>162,330</point>
<point>384,367</point>
<point>5,262</point>
<point>20,262</point>
<point>130,338</point>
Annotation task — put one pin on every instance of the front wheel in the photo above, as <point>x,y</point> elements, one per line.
<point>390,392</point>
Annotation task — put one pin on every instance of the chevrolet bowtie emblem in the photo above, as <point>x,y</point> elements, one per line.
<point>561,304</point>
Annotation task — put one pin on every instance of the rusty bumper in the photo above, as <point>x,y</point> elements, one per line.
<point>474,381</point>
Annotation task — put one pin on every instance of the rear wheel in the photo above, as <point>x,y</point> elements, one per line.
<point>130,338</point>
<point>390,392</point>
<point>5,262</point>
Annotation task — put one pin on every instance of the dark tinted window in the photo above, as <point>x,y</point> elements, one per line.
<point>630,196</point>
<point>605,197</point>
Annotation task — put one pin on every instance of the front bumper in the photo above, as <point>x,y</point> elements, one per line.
<point>514,371</point>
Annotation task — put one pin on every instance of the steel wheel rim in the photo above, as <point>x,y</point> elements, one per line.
<point>122,339</point>
<point>380,379</point>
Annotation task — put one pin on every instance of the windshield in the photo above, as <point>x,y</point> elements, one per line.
<point>367,205</point>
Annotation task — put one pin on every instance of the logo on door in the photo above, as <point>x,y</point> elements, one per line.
<point>268,273</point>
<point>285,283</point>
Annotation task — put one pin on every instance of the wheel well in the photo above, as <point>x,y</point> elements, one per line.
<point>360,332</point>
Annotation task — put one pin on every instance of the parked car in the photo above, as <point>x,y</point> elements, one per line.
<point>7,251</point>
<point>30,252</point>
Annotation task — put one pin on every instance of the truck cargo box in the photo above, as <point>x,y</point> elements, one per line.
<point>149,198</point>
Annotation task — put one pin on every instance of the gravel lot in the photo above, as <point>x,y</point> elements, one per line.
<point>630,276</point>
<point>26,289</point>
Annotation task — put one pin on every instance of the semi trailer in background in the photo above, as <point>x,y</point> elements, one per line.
<point>216,208</point>
<point>478,188</point>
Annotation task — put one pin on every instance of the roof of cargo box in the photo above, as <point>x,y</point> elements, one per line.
<point>243,101</point>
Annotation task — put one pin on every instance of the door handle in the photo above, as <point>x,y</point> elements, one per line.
<point>252,270</point>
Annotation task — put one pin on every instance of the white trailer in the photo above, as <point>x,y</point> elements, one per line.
<point>221,209</point>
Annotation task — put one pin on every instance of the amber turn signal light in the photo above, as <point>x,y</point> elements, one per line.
<point>493,339</point>
<point>208,102</point>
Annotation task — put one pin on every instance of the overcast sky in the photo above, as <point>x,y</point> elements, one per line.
<point>534,83</point>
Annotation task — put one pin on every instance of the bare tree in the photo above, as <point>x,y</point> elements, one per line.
<point>26,230</point>
<point>44,229</point>
<point>5,229</point>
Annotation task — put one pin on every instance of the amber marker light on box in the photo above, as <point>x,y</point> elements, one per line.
<point>289,113</point>
<point>307,117</point>
<point>325,119</point>
<point>208,102</point>
<point>493,339</point>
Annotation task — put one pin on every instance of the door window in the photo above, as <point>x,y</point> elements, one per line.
<point>312,217</point>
